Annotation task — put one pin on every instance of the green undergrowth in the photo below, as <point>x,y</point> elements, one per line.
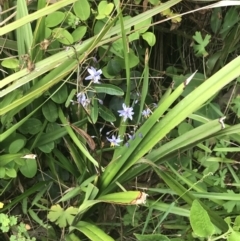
<point>119,120</point>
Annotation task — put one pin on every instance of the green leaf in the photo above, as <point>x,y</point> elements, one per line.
<point>133,36</point>
<point>30,168</point>
<point>71,194</point>
<point>16,146</point>
<point>50,111</point>
<point>154,2</point>
<point>79,33</point>
<point>31,126</point>
<point>149,38</point>
<point>143,26</point>
<point>114,67</point>
<point>62,217</point>
<point>216,19</point>
<point>184,128</point>
<point>61,93</point>
<point>106,114</point>
<point>10,63</point>
<point>151,237</point>
<point>92,231</point>
<point>54,19</point>
<point>199,48</point>
<point>70,97</point>
<point>11,172</point>
<point>230,19</point>
<point>47,148</point>
<point>94,111</point>
<point>72,237</point>
<point>133,60</point>
<point>108,89</point>
<point>2,172</point>
<point>104,9</point>
<point>234,236</point>
<point>62,35</point>
<point>126,198</point>
<point>200,221</point>
<point>82,9</point>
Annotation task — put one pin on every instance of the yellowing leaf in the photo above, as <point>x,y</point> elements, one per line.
<point>166,12</point>
<point>1,205</point>
<point>177,19</point>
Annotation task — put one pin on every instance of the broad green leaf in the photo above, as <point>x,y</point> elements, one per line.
<point>104,9</point>
<point>216,19</point>
<point>106,114</point>
<point>47,148</point>
<point>79,33</point>
<point>92,231</point>
<point>2,172</point>
<point>234,236</point>
<point>143,26</point>
<point>16,146</point>
<point>133,60</point>
<point>94,111</point>
<point>61,93</point>
<point>50,111</point>
<point>30,168</point>
<point>114,67</point>
<point>149,38</point>
<point>10,63</point>
<point>133,36</point>
<point>62,35</point>
<point>108,9</point>
<point>98,27</point>
<point>154,2</point>
<point>19,161</point>
<point>11,172</point>
<point>200,221</point>
<point>54,19</point>
<point>31,126</point>
<point>184,128</point>
<point>82,9</point>
<point>230,19</point>
<point>151,237</point>
<point>62,217</point>
<point>108,89</point>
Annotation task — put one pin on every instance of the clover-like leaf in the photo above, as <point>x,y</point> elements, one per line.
<point>60,216</point>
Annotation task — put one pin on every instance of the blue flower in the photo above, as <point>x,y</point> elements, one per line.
<point>94,75</point>
<point>127,112</point>
<point>114,141</point>
<point>146,113</point>
<point>82,99</point>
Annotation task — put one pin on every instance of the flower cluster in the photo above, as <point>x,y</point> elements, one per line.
<point>114,141</point>
<point>82,99</point>
<point>146,113</point>
<point>127,112</point>
<point>94,75</point>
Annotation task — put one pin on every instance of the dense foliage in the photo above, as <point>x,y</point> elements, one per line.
<point>119,120</point>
